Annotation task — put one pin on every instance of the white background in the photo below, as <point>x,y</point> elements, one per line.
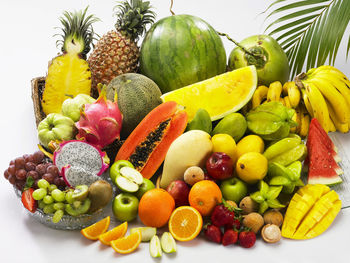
<point>26,46</point>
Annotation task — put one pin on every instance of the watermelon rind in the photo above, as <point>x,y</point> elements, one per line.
<point>322,158</point>
<point>326,181</point>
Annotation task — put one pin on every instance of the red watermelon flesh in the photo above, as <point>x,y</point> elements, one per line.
<point>319,134</point>
<point>323,169</point>
<point>316,130</point>
<point>314,124</point>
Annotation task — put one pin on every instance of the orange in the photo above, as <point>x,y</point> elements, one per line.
<point>155,207</point>
<point>127,244</point>
<point>94,231</point>
<point>185,223</point>
<point>114,234</point>
<point>204,196</point>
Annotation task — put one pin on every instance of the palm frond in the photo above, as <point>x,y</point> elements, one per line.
<point>309,31</point>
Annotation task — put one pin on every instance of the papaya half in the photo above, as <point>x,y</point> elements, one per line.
<point>149,142</point>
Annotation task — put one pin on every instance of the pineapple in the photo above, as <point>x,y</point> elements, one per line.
<point>117,52</point>
<point>69,74</point>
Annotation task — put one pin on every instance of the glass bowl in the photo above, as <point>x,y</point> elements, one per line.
<point>68,222</point>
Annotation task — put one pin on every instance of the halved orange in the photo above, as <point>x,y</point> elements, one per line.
<point>115,233</point>
<point>185,223</point>
<point>94,231</point>
<point>127,244</point>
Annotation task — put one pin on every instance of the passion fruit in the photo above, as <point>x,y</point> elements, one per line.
<point>265,54</point>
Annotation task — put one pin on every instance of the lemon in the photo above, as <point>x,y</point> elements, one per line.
<point>250,143</point>
<point>251,167</point>
<point>226,144</point>
<point>219,95</point>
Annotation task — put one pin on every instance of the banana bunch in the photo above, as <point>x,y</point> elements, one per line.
<point>326,94</point>
<point>290,96</point>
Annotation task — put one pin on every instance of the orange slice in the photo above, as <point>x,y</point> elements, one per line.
<point>128,244</point>
<point>185,223</point>
<point>114,234</point>
<point>94,231</point>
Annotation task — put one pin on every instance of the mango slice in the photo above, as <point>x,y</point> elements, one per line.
<point>310,212</point>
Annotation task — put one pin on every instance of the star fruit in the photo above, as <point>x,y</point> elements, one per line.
<point>267,196</point>
<point>288,177</point>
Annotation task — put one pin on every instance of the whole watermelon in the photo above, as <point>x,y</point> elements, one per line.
<point>181,50</point>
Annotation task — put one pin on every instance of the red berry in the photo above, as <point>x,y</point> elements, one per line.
<point>213,233</point>
<point>230,237</point>
<point>247,239</point>
<point>222,216</point>
<point>28,200</point>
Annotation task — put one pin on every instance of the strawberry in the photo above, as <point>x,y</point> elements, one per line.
<point>213,233</point>
<point>247,239</point>
<point>230,237</point>
<point>28,200</point>
<point>236,224</point>
<point>222,215</point>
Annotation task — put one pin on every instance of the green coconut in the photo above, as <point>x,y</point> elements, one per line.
<point>137,95</point>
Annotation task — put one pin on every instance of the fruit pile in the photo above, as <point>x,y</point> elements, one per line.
<point>192,147</point>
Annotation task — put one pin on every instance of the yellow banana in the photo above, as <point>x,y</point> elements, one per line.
<point>307,103</point>
<point>297,118</point>
<point>282,101</point>
<point>334,97</point>
<point>287,102</point>
<point>274,92</point>
<point>330,70</point>
<point>259,95</point>
<point>338,84</point>
<point>340,126</point>
<point>304,123</point>
<point>318,103</point>
<point>331,125</point>
<point>293,94</point>
<point>285,88</point>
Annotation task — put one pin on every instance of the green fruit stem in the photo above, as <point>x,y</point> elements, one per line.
<point>241,47</point>
<point>171,7</point>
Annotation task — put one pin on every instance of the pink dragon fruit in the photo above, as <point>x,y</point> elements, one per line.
<point>79,154</point>
<point>100,123</point>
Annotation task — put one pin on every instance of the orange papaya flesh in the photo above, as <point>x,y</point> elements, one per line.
<point>148,144</point>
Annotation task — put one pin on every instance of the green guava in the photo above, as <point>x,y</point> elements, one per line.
<point>270,60</point>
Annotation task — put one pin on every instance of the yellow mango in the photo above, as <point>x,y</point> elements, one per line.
<point>310,212</point>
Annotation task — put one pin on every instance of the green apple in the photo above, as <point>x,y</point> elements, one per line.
<point>114,171</point>
<point>71,107</point>
<point>125,207</point>
<point>144,187</point>
<point>233,189</point>
<point>56,127</point>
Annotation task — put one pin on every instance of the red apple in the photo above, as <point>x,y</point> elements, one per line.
<point>179,190</point>
<point>220,166</point>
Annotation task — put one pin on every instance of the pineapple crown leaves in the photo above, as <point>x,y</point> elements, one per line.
<point>132,17</point>
<point>77,32</point>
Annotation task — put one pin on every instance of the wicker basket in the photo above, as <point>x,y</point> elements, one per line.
<point>38,85</point>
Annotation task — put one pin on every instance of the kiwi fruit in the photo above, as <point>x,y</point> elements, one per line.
<point>100,193</point>
<point>80,192</point>
<point>78,207</point>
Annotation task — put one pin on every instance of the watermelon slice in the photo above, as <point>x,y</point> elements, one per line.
<point>323,169</point>
<point>320,133</point>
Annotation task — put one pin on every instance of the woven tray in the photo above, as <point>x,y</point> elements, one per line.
<point>38,85</point>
